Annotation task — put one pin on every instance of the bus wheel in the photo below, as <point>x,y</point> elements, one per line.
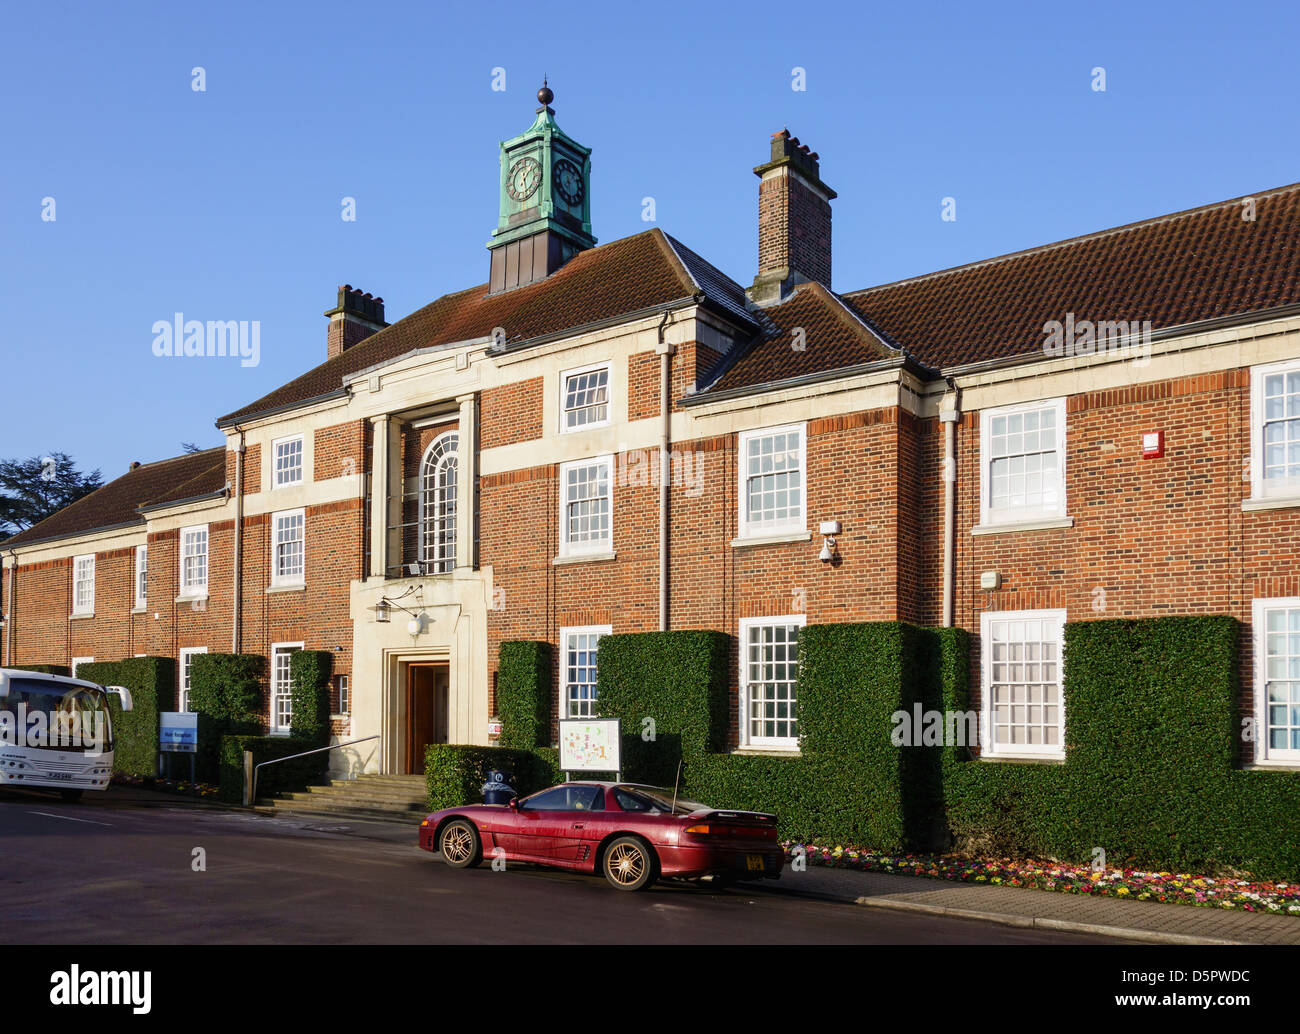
<point>70,796</point>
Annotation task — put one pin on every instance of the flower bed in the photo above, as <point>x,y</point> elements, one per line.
<point>178,786</point>
<point>1170,888</point>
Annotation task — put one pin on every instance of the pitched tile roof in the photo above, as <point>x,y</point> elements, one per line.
<point>117,503</point>
<point>810,332</point>
<point>612,280</point>
<point>1173,270</point>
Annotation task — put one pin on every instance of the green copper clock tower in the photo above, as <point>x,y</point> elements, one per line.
<point>545,207</point>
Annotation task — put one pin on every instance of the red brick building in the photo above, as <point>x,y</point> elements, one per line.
<point>619,437</point>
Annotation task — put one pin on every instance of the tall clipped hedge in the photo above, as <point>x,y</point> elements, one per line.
<point>848,783</point>
<point>226,691</point>
<point>151,681</point>
<point>297,774</point>
<point>669,690</point>
<point>309,677</point>
<point>524,694</point>
<point>455,773</point>
<point>1150,773</point>
<point>852,679</point>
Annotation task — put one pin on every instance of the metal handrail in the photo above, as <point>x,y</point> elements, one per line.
<point>252,796</point>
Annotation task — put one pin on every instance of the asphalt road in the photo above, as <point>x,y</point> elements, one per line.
<point>119,869</point>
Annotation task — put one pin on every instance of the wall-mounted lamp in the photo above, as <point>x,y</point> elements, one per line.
<point>384,608</point>
<point>829,530</point>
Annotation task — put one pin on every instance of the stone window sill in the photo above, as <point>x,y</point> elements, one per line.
<point>1273,766</point>
<point>1022,759</point>
<point>192,599</point>
<point>1012,526</point>
<point>140,610</point>
<point>745,541</point>
<point>1281,503</point>
<point>581,558</point>
<point>768,752</point>
<point>81,617</point>
<point>294,587</point>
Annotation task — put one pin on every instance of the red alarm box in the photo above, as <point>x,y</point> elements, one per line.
<point>1153,444</point>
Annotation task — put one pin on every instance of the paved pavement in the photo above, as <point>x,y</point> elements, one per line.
<point>1042,909</point>
<point>120,868</point>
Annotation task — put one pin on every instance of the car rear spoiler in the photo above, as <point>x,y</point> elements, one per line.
<point>762,817</point>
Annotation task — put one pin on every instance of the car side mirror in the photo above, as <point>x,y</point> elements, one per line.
<point>514,803</point>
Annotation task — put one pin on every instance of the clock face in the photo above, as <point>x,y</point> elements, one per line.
<point>525,178</point>
<point>568,182</point>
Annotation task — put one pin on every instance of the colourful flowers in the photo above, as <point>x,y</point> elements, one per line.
<point>1276,898</point>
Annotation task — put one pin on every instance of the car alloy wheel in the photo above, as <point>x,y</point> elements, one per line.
<point>460,845</point>
<point>629,864</point>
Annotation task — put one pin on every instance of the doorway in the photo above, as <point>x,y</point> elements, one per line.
<point>427,717</point>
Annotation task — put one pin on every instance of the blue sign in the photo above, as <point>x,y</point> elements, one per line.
<point>178,732</point>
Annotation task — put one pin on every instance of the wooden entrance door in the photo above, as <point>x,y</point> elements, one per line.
<point>426,711</point>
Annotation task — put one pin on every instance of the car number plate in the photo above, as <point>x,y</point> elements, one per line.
<point>59,775</point>
<point>754,862</point>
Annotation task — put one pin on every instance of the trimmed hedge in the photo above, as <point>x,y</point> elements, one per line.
<point>309,675</point>
<point>226,691</point>
<point>524,694</point>
<point>283,778</point>
<point>454,774</point>
<point>669,690</point>
<point>151,681</point>
<point>1150,773</point>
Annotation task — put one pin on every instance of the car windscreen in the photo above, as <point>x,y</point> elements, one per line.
<point>654,799</point>
<point>71,718</point>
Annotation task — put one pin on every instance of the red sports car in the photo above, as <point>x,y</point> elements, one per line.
<point>630,833</point>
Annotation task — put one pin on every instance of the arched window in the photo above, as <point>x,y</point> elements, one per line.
<point>438,505</point>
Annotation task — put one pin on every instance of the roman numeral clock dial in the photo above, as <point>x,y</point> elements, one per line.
<point>568,183</point>
<point>525,178</point>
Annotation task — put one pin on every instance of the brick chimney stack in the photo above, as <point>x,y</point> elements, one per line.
<point>357,316</point>
<point>794,221</point>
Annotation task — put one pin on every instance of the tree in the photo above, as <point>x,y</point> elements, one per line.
<point>190,447</point>
<point>34,488</point>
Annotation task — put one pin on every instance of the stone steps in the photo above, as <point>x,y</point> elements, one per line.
<point>393,798</point>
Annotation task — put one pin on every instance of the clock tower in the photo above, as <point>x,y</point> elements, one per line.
<point>545,206</point>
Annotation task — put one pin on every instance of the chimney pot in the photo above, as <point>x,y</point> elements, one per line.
<point>357,315</point>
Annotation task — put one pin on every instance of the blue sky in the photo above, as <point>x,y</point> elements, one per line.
<point>225,204</point>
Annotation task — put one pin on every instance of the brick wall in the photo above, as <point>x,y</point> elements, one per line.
<point>511,413</point>
<point>794,228</point>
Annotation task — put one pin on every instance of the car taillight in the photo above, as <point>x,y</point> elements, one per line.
<point>715,830</point>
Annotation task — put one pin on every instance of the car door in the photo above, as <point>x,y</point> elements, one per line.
<point>579,828</point>
<point>554,820</point>
<point>541,820</point>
